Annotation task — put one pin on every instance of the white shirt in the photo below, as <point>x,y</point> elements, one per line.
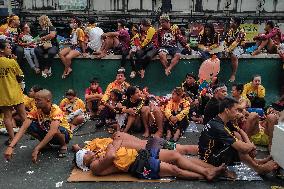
<point>95,41</point>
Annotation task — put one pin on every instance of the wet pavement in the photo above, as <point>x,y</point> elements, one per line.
<point>52,171</point>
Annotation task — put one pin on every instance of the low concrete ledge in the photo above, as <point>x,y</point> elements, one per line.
<point>244,56</point>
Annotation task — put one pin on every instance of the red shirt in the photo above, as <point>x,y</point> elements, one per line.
<point>90,92</point>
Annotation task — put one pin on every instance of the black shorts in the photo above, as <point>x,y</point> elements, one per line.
<point>228,155</point>
<point>146,165</point>
<point>35,128</point>
<point>181,125</point>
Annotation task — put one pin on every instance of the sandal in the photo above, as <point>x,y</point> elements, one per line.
<point>62,153</point>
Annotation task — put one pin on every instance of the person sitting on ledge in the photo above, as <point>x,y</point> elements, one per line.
<point>270,40</point>
<point>234,41</point>
<point>119,41</point>
<point>47,123</point>
<point>208,40</point>
<point>148,48</point>
<point>168,37</point>
<point>77,48</point>
<point>115,156</point>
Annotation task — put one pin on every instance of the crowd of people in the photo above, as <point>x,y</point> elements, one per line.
<point>233,125</point>
<point>138,43</point>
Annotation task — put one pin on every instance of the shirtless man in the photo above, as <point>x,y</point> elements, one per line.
<point>151,163</point>
<point>133,142</point>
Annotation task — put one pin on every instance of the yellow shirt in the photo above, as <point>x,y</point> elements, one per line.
<point>251,91</point>
<point>179,109</point>
<point>149,35</point>
<point>124,156</point>
<point>10,90</point>
<point>3,28</point>
<point>67,107</point>
<point>29,103</point>
<point>56,114</point>
<point>80,34</point>
<point>114,85</point>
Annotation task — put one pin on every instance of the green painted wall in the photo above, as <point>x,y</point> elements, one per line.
<point>155,79</point>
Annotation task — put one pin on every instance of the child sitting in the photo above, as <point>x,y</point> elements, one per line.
<point>111,115</point>
<point>135,43</point>
<point>176,112</point>
<point>93,95</point>
<point>74,109</point>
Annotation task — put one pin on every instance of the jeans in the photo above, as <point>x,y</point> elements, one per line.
<point>40,52</point>
<point>31,58</point>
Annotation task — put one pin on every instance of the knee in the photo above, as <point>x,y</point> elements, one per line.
<point>177,55</point>
<point>157,110</point>
<point>23,116</point>
<point>145,109</point>
<point>80,119</point>
<point>61,54</point>
<point>176,170</point>
<point>68,57</point>
<point>175,156</point>
<point>162,54</point>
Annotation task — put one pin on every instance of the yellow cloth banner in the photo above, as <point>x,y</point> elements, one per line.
<point>251,31</point>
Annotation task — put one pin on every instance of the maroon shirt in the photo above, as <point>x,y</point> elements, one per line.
<point>124,38</point>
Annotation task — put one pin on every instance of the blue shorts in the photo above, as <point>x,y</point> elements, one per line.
<point>41,133</point>
<point>170,50</point>
<point>79,49</point>
<point>154,163</point>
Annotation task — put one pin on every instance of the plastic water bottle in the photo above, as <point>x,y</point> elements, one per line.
<point>192,127</point>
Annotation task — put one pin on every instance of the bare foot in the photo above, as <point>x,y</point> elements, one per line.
<point>231,175</point>
<point>267,167</point>
<point>102,55</point>
<point>67,73</point>
<point>37,70</point>
<point>142,73</point>
<point>232,78</point>
<point>168,71</point>
<point>264,160</point>
<point>256,52</point>
<point>213,172</point>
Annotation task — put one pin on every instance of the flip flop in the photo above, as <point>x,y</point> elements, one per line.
<point>62,153</point>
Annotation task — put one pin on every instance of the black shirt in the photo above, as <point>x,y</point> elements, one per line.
<point>137,105</point>
<point>215,138</point>
<point>192,90</point>
<point>211,109</point>
<point>47,31</point>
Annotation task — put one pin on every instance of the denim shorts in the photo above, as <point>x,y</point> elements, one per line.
<point>38,130</point>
